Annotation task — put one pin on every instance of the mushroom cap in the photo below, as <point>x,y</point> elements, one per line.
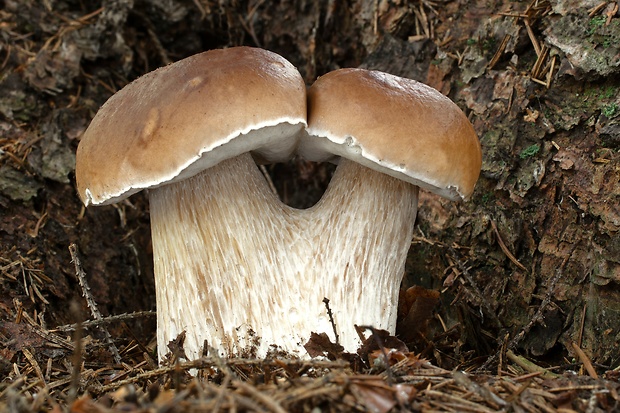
<point>180,119</point>
<point>394,125</point>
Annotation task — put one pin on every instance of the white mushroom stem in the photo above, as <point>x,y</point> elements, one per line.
<point>240,269</point>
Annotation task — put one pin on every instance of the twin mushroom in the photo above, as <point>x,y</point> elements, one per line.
<point>233,264</point>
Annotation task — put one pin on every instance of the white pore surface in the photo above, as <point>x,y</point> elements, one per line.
<point>321,145</point>
<point>274,140</point>
<point>240,269</point>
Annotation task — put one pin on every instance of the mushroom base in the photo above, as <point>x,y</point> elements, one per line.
<point>240,269</point>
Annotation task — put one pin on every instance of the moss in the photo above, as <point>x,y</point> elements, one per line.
<point>610,92</point>
<point>592,44</point>
<point>610,110</point>
<point>529,151</point>
<point>595,23</point>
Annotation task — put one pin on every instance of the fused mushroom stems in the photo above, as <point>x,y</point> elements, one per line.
<point>233,264</point>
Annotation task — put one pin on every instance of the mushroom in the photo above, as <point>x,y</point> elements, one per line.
<point>390,136</point>
<point>234,266</point>
<point>187,131</point>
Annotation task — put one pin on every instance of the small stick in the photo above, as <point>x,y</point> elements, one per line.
<point>262,397</point>
<point>90,301</point>
<point>223,365</point>
<point>33,362</point>
<point>532,37</point>
<point>76,359</point>
<point>331,319</point>
<point>106,320</point>
<point>40,331</point>
<point>505,249</point>
<point>587,364</point>
<point>500,51</point>
<point>530,367</point>
<point>594,10</point>
<point>502,352</point>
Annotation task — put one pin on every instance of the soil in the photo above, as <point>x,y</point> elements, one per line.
<point>528,270</point>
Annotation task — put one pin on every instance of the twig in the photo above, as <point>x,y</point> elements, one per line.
<point>587,364</point>
<point>207,362</point>
<point>262,397</point>
<point>500,51</point>
<point>47,335</point>
<point>458,403</point>
<point>76,359</point>
<point>550,72</point>
<point>573,388</point>
<point>331,317</point>
<point>314,388</point>
<point>532,37</point>
<point>611,13</point>
<point>221,393</point>
<point>594,10</point>
<point>538,68</point>
<point>105,320</point>
<point>34,364</point>
<point>90,301</point>
<point>529,366</point>
<point>502,351</point>
<point>505,249</point>
<point>492,398</point>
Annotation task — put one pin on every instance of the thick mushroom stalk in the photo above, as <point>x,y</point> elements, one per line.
<point>238,268</point>
<point>234,266</point>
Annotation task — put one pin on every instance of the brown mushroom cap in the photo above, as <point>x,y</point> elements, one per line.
<point>188,116</point>
<point>394,125</point>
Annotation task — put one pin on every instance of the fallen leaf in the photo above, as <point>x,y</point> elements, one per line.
<point>321,345</point>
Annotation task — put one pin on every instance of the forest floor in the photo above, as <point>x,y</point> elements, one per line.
<point>511,301</point>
